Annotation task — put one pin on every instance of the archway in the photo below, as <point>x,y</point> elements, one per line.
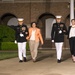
<point>9,19</point>
<point>67,23</point>
<point>45,22</point>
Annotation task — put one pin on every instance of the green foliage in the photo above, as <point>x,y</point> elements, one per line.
<point>7,37</point>
<point>11,46</point>
<point>8,46</point>
<point>27,46</point>
<point>6,33</point>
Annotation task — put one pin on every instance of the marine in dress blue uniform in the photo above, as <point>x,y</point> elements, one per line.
<point>57,36</point>
<point>20,39</point>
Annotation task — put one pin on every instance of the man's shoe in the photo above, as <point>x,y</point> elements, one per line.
<point>59,61</point>
<point>34,60</point>
<point>20,61</point>
<point>24,59</point>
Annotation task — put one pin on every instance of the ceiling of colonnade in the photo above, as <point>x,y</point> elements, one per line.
<point>24,1</point>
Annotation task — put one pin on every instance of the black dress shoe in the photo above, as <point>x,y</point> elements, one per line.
<point>20,61</point>
<point>24,59</point>
<point>59,61</point>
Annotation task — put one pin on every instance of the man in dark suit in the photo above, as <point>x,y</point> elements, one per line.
<point>57,36</point>
<point>20,39</point>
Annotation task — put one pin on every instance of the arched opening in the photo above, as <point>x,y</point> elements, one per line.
<point>67,20</point>
<point>45,22</point>
<point>9,19</point>
<point>67,23</point>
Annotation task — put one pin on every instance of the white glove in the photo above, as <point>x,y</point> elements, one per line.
<point>21,35</point>
<point>52,40</point>
<point>60,31</point>
<point>15,42</point>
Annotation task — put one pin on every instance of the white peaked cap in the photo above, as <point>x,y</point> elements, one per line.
<point>58,16</point>
<point>20,19</point>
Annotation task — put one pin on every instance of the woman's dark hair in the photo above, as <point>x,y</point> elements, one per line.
<point>72,20</point>
<point>32,24</point>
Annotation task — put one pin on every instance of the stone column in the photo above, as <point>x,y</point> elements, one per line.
<point>71,10</point>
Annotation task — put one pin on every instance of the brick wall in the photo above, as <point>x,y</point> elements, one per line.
<point>32,11</point>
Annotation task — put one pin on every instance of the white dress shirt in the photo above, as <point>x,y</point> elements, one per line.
<point>72,32</point>
<point>33,35</point>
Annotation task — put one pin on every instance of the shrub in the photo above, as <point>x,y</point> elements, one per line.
<point>7,37</point>
<point>27,46</point>
<point>8,46</point>
<point>11,46</point>
<point>7,34</point>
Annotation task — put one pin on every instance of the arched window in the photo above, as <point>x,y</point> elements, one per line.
<point>9,19</point>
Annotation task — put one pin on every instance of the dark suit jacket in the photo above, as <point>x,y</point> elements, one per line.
<point>55,35</point>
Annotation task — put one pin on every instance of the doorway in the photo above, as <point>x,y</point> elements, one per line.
<point>45,22</point>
